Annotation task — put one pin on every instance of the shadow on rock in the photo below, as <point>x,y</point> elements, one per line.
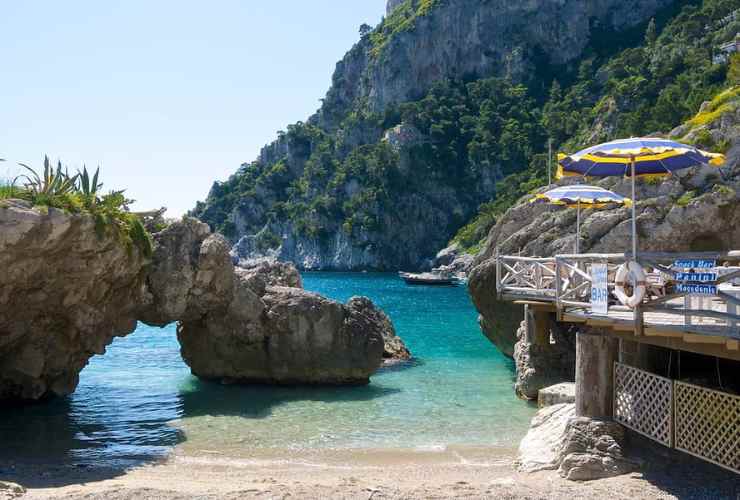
<point>257,401</point>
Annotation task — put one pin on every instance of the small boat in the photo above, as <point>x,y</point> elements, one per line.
<point>427,279</point>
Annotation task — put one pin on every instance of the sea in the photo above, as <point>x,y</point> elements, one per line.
<point>138,402</point>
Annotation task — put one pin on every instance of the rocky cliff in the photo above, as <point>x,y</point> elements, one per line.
<point>697,209</point>
<point>68,290</point>
<point>64,295</point>
<point>398,158</point>
<point>423,41</point>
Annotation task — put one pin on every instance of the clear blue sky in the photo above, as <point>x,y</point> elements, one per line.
<point>166,96</point>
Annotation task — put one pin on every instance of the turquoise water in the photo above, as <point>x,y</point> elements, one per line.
<point>139,401</point>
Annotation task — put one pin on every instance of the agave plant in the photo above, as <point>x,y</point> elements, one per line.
<point>52,183</point>
<point>89,187</point>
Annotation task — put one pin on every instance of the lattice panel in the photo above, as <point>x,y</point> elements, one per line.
<point>708,424</point>
<point>643,402</point>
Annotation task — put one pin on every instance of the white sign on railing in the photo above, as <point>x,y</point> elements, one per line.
<point>599,290</point>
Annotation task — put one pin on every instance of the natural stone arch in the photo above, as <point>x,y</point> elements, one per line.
<point>67,292</point>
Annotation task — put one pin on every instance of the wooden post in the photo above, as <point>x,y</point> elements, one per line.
<point>595,357</point>
<point>498,274</point>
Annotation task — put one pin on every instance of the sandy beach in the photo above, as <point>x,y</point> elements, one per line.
<point>362,474</point>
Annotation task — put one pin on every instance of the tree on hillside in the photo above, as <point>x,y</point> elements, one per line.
<point>651,33</point>
<point>733,74</point>
<point>365,29</point>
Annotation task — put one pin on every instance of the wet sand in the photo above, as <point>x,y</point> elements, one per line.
<point>362,474</point>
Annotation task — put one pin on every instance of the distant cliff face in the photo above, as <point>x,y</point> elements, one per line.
<point>402,152</point>
<point>471,38</point>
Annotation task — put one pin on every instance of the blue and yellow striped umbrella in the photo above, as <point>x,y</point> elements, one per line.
<point>586,196</point>
<point>644,156</point>
<point>651,157</point>
<point>579,196</point>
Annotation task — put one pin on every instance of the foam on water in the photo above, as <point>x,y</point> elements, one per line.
<point>139,401</point>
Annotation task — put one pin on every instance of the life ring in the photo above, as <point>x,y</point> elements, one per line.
<point>623,274</point>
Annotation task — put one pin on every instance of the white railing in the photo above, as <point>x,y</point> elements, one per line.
<point>566,281</point>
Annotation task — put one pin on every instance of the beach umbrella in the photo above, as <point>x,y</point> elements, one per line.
<point>579,196</point>
<point>635,157</point>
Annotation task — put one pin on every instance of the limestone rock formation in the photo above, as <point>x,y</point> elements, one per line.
<point>542,364</point>
<point>285,335</point>
<point>564,392</point>
<point>579,448</point>
<point>592,449</point>
<point>540,448</point>
<point>470,37</point>
<point>65,293</point>
<point>292,202</point>
<point>672,217</point>
<point>274,272</point>
<point>10,490</point>
<point>498,320</point>
<point>244,324</point>
<point>394,348</point>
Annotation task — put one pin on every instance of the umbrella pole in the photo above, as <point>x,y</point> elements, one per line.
<point>578,226</point>
<point>634,211</point>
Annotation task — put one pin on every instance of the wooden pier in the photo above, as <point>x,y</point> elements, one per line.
<point>563,284</point>
<point>691,304</point>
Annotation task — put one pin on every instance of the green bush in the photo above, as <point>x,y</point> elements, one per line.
<point>79,193</point>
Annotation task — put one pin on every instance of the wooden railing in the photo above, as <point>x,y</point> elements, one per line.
<point>566,280</point>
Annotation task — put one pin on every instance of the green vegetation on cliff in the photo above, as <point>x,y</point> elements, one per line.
<point>465,131</point>
<point>80,193</point>
<point>646,89</point>
<point>473,144</point>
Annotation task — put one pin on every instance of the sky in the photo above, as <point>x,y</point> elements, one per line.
<point>165,96</point>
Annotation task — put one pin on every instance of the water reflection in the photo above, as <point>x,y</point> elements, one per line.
<point>104,432</point>
<point>202,398</point>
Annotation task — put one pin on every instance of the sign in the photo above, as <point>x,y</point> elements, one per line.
<point>599,290</point>
<point>696,289</point>
<point>694,264</point>
<point>697,277</point>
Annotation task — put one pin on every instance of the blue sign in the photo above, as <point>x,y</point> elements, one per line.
<point>694,264</point>
<point>696,277</point>
<point>696,289</point>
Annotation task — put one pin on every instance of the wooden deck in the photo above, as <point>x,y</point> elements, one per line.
<point>707,324</point>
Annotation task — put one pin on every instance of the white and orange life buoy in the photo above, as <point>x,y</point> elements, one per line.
<point>626,271</point>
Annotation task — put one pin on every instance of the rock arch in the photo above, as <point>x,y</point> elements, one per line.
<point>65,293</point>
